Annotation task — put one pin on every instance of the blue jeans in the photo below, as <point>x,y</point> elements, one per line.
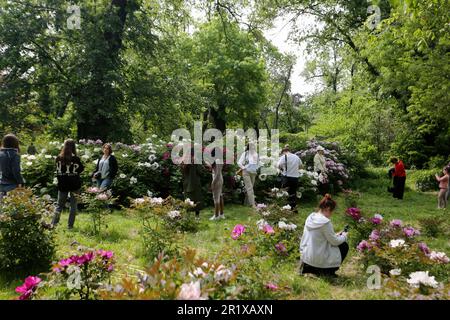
<point>104,183</point>
<point>62,199</point>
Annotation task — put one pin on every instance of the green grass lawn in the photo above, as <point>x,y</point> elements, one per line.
<point>122,237</point>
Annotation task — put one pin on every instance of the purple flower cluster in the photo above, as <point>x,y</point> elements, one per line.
<point>88,142</point>
<point>410,232</point>
<point>354,213</point>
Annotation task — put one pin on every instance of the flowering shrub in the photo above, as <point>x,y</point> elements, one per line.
<point>144,167</point>
<point>351,198</point>
<point>183,278</point>
<point>395,246</point>
<point>98,203</point>
<point>78,276</point>
<point>26,243</point>
<point>162,221</point>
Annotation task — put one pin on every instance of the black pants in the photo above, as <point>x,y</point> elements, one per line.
<point>399,187</point>
<point>291,184</point>
<point>343,248</point>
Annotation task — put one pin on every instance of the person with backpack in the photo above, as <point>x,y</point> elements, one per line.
<point>10,175</point>
<point>68,170</point>
<point>249,163</point>
<point>290,164</point>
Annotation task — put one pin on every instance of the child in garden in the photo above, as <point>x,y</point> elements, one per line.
<point>68,170</point>
<point>443,187</point>
<point>322,250</point>
<point>10,176</point>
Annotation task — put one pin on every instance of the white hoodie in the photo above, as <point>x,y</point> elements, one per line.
<point>319,244</point>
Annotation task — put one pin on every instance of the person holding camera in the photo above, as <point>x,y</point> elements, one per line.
<point>249,164</point>
<point>106,169</point>
<point>322,250</point>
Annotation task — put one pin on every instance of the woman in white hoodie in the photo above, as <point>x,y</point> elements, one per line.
<point>322,250</point>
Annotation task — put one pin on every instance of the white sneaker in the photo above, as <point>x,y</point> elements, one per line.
<point>222,216</point>
<point>213,218</point>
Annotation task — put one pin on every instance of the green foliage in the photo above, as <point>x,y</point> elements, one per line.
<point>26,243</point>
<point>424,180</point>
<point>433,227</point>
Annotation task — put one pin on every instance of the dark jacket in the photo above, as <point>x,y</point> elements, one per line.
<point>10,167</point>
<point>113,167</point>
<point>69,174</point>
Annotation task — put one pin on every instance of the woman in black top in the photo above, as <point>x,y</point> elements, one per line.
<point>106,169</point>
<point>10,176</point>
<point>68,170</point>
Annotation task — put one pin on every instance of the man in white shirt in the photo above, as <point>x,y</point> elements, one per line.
<point>290,164</point>
<point>249,164</point>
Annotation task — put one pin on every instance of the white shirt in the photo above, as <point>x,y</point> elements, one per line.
<point>320,163</point>
<point>293,165</point>
<point>249,161</point>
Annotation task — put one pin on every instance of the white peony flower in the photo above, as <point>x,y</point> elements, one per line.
<point>397,243</point>
<point>139,200</point>
<point>189,202</point>
<point>287,207</point>
<point>261,224</point>
<point>122,176</point>
<point>47,156</point>
<point>155,166</point>
<point>285,226</point>
<point>133,180</point>
<point>149,193</point>
<point>55,181</point>
<point>395,272</point>
<point>156,201</point>
<point>439,257</point>
<point>174,214</point>
<point>151,158</point>
<point>422,278</point>
<point>314,182</point>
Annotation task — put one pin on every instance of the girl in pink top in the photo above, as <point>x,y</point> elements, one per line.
<point>443,186</point>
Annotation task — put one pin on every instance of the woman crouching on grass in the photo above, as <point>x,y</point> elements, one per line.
<point>322,250</point>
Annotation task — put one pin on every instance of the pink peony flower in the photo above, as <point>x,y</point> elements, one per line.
<point>94,190</point>
<point>375,235</point>
<point>271,286</point>
<point>410,232</point>
<point>377,219</point>
<point>354,213</point>
<point>364,245</point>
<point>396,223</point>
<point>268,229</point>
<point>28,287</point>
<point>424,248</point>
<point>166,155</point>
<point>102,197</point>
<point>238,230</point>
<point>105,254</point>
<point>281,248</point>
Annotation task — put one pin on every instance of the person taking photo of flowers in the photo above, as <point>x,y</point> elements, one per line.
<point>443,188</point>
<point>68,170</point>
<point>290,164</point>
<point>322,250</point>
<point>106,169</point>
<point>10,175</point>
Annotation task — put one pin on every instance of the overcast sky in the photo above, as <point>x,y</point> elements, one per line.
<point>279,37</point>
